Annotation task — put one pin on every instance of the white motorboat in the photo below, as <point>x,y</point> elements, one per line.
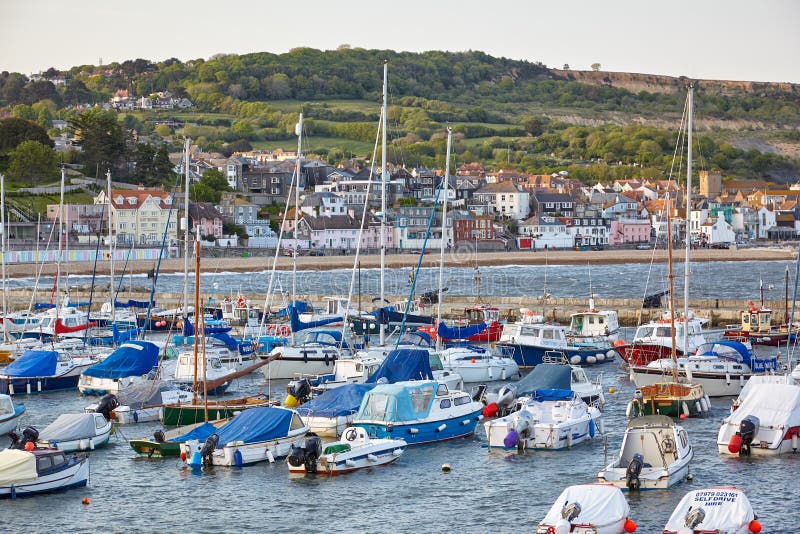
<point>254,435</point>
<point>356,450</point>
<point>187,374</point>
<point>40,471</point>
<point>37,371</point>
<point>653,341</point>
<point>544,419</point>
<point>477,364</point>
<point>723,510</point>
<point>655,454</point>
<point>9,414</point>
<point>766,422</point>
<point>594,328</point>
<point>721,367</point>
<point>588,509</point>
<point>76,432</point>
<point>314,355</point>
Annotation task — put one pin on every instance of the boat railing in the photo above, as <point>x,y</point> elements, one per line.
<point>554,356</point>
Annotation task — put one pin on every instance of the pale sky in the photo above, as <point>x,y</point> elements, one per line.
<point>712,39</point>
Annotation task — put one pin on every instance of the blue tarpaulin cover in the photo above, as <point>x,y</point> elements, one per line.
<point>229,342</point>
<point>199,433</point>
<point>553,394</point>
<point>446,332</point>
<point>404,364</point>
<point>33,363</point>
<point>43,306</point>
<point>545,376</point>
<point>302,307</point>
<point>336,402</point>
<point>132,358</point>
<point>298,325</point>
<point>256,425</point>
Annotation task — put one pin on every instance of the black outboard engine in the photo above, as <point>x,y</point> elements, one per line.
<point>108,403</point>
<point>633,472</point>
<point>29,435</point>
<point>306,455</point>
<point>206,453</point>
<point>748,428</point>
<point>159,436</point>
<point>300,390</point>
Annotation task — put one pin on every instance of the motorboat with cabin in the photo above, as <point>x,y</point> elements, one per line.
<point>208,368</point>
<point>756,327</point>
<point>722,509</point>
<point>653,341</point>
<point>9,414</point>
<point>315,354</point>
<point>132,361</point>
<point>588,509</point>
<point>594,328</point>
<point>721,367</point>
<point>35,471</point>
<point>37,371</point>
<point>655,454</point>
<point>421,411</point>
<point>356,450</point>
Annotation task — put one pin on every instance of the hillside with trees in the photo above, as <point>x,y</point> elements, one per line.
<point>505,113</point>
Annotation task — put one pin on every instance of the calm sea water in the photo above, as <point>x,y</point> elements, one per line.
<point>484,492</point>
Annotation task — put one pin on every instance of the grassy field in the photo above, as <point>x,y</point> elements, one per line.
<point>312,143</point>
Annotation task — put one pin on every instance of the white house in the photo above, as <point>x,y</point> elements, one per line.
<point>547,232</point>
<point>508,199</point>
<point>717,230</point>
<point>766,220</point>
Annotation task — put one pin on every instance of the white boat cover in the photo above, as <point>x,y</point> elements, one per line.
<point>755,380</point>
<point>69,427</point>
<point>727,510</point>
<point>16,466</point>
<point>601,505</point>
<point>773,404</point>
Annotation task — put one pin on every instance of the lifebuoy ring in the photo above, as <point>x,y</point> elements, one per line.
<point>284,331</point>
<point>272,329</point>
<point>241,302</point>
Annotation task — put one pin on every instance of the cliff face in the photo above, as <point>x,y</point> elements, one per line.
<point>653,83</point>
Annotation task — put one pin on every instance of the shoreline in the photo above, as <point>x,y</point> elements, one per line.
<point>453,258</point>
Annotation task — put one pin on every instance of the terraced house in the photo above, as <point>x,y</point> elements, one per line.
<point>141,216</point>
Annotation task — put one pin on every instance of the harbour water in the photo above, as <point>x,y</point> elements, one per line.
<point>484,492</point>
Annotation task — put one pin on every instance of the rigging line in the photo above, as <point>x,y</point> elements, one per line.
<point>419,265</point>
<point>124,268</point>
<point>361,230</point>
<point>41,267</point>
<point>94,276</point>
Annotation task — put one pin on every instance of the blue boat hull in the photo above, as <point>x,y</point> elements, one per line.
<point>40,384</point>
<point>531,356</point>
<point>428,432</point>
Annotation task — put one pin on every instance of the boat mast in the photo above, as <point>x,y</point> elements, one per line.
<point>671,278</point>
<point>196,312</point>
<point>382,335</point>
<point>3,251</point>
<point>110,249</point>
<point>186,231</point>
<point>60,242</point>
<point>785,299</point>
<point>299,132</point>
<point>688,224</point>
<point>444,233</point>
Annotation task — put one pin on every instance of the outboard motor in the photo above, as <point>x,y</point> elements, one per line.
<point>633,471</point>
<point>306,455</point>
<point>571,511</point>
<point>206,453</point>
<point>480,393</point>
<point>694,517</point>
<point>159,436</point>
<point>748,429</point>
<point>108,403</point>
<point>298,392</point>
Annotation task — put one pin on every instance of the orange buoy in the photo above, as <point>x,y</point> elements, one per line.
<point>630,526</point>
<point>754,527</point>
<point>29,446</point>
<point>85,501</point>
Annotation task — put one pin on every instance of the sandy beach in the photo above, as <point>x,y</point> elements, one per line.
<point>453,258</point>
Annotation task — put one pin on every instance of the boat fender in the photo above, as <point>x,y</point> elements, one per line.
<point>600,356</point>
<point>490,410</point>
<point>591,428</point>
<point>372,458</point>
<point>413,430</point>
<point>441,427</point>
<point>270,456</point>
<point>591,359</point>
<point>465,422</point>
<point>83,444</point>
<point>196,460</point>
<point>708,401</point>
<point>575,360</point>
<point>703,404</point>
<point>794,442</point>
<point>11,389</point>
<point>629,410</point>
<point>39,386</point>
<point>735,444</point>
<point>28,388</point>
<point>503,374</point>
<point>135,417</point>
<point>237,458</point>
<point>510,441</point>
<point>698,406</point>
<point>685,408</point>
<point>350,463</point>
<point>610,354</point>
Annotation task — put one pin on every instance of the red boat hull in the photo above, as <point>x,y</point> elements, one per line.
<point>643,354</point>
<point>491,334</point>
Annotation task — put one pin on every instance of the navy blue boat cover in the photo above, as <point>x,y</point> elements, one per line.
<point>33,363</point>
<point>404,364</point>
<point>229,342</point>
<point>545,376</point>
<point>199,433</point>
<point>446,332</point>
<point>132,358</point>
<point>133,304</point>
<point>256,425</point>
<point>336,402</point>
<point>298,325</point>
<point>302,307</point>
<point>390,315</point>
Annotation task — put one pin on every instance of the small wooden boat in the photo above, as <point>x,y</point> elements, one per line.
<point>40,471</point>
<point>655,454</point>
<point>585,508</point>
<point>9,414</point>
<point>674,399</point>
<point>757,328</point>
<point>190,413</point>
<point>721,509</point>
<point>356,450</point>
<point>168,442</point>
